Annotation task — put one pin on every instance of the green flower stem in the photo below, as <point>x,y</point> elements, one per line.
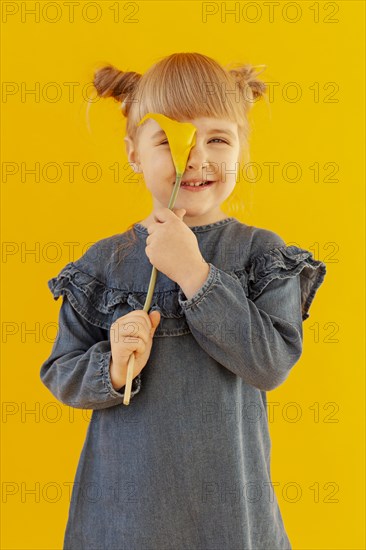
<point>150,292</point>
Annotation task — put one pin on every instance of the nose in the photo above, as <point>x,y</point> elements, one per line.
<point>197,158</point>
<point>198,162</point>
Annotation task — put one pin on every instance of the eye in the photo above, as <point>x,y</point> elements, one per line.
<point>213,139</point>
<point>219,139</point>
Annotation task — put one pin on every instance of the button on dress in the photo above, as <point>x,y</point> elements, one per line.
<point>186,465</point>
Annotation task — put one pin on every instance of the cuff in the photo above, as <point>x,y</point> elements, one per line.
<point>200,294</point>
<point>105,363</point>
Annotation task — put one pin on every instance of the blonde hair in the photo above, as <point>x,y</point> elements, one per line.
<point>184,85</point>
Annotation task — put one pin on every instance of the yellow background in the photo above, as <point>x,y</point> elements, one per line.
<point>318,460</point>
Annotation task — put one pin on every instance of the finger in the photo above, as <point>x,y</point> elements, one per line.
<point>140,314</point>
<point>146,317</point>
<point>162,214</point>
<point>134,331</point>
<point>137,345</point>
<point>142,337</point>
<point>143,316</point>
<point>180,212</point>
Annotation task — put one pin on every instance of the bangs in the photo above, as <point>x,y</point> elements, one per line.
<point>187,86</point>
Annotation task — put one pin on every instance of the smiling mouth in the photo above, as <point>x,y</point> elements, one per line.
<point>203,184</point>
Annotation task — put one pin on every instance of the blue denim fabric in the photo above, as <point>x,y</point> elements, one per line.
<point>186,466</point>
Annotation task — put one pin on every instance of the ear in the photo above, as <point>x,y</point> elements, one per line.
<point>132,154</point>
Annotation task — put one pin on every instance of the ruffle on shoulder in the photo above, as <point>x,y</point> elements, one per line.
<point>90,297</point>
<point>97,302</point>
<point>283,262</point>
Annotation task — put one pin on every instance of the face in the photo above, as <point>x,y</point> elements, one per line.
<point>215,157</point>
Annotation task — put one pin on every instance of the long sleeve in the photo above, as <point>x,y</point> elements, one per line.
<point>77,371</point>
<point>252,325</point>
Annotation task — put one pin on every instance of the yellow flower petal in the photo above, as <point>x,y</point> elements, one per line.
<point>181,138</point>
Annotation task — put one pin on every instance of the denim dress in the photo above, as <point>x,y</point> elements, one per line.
<point>186,465</point>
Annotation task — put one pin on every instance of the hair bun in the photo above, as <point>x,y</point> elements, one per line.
<point>111,82</point>
<point>246,76</point>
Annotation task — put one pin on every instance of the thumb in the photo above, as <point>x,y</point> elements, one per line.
<point>155,320</point>
<point>180,212</point>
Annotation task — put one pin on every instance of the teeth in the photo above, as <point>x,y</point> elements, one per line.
<point>193,184</point>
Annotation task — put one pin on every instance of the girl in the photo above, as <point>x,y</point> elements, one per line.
<point>186,466</point>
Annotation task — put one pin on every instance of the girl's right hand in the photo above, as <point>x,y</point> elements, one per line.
<point>128,334</point>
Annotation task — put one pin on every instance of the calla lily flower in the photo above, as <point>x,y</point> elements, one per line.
<point>181,138</point>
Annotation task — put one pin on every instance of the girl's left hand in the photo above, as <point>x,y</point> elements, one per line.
<point>171,245</point>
